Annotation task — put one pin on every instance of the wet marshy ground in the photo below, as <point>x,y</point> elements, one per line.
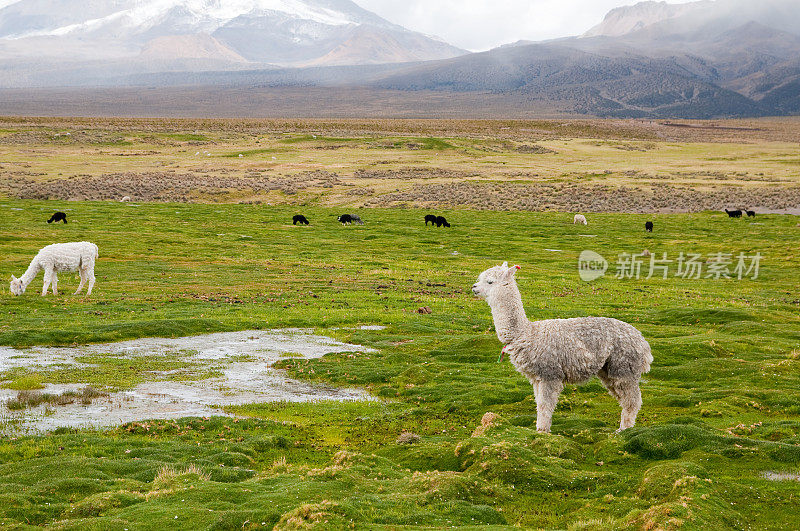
<point>203,372</point>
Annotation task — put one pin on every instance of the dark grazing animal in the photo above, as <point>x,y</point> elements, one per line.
<point>299,218</point>
<point>346,219</point>
<point>733,213</point>
<point>751,214</point>
<point>430,218</point>
<point>441,222</point>
<point>648,226</point>
<point>58,216</point>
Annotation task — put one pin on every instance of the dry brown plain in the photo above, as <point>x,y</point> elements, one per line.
<point>566,165</point>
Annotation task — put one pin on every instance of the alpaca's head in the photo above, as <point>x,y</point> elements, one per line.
<point>16,287</point>
<point>492,279</point>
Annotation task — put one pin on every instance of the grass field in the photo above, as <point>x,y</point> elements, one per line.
<point>717,444</point>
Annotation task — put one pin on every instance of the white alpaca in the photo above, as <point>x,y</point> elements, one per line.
<point>57,258</point>
<point>551,352</point>
<point>579,219</point>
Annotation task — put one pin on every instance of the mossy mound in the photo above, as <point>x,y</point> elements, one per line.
<point>102,502</point>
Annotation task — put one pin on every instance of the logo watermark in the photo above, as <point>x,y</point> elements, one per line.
<point>591,266</point>
<point>716,266</point>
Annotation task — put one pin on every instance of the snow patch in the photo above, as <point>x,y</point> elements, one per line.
<point>206,15</point>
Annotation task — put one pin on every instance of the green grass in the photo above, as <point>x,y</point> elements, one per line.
<point>25,383</point>
<point>294,139</point>
<point>251,152</point>
<point>185,137</point>
<point>720,405</point>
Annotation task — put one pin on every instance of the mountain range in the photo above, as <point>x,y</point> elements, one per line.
<point>42,41</point>
<point>704,59</point>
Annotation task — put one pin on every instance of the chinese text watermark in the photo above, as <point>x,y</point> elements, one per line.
<point>716,266</point>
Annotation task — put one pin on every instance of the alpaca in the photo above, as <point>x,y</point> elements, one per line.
<point>57,258</point>
<point>430,218</point>
<point>345,219</point>
<point>648,226</point>
<point>299,218</point>
<point>579,219</point>
<point>750,214</point>
<point>733,213</point>
<point>58,216</point>
<point>556,351</point>
<point>441,222</point>
<point>125,199</point>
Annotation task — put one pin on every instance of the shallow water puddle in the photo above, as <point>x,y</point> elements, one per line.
<point>780,476</point>
<point>242,362</point>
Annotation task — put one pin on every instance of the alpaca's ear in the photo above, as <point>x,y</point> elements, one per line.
<point>511,271</point>
<point>13,278</point>
<point>505,264</point>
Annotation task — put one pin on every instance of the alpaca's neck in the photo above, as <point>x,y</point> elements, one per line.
<point>32,271</point>
<point>509,315</point>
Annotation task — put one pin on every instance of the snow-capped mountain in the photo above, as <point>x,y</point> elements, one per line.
<point>282,32</point>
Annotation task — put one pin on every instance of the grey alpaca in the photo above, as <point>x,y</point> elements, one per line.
<point>552,352</point>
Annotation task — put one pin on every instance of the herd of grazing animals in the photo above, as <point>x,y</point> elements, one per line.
<point>64,257</point>
<point>549,353</point>
<point>439,221</point>
<point>738,213</point>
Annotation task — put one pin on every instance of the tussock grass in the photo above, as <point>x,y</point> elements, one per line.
<point>29,399</point>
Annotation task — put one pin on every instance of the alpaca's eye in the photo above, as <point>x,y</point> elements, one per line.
<point>489,281</point>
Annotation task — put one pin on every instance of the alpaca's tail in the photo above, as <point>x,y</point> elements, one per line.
<point>647,359</point>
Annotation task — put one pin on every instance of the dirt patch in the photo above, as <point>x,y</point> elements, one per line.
<point>410,174</point>
<point>161,186</point>
<point>534,149</point>
<point>589,198</point>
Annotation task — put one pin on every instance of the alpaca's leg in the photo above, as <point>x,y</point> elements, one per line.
<point>54,283</point>
<point>82,273</point>
<point>48,275</point>
<point>90,276</point>
<point>546,403</point>
<point>631,401</point>
<point>629,397</point>
<point>608,383</point>
<point>627,393</point>
<point>536,389</point>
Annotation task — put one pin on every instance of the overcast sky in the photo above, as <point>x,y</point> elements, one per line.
<point>478,25</point>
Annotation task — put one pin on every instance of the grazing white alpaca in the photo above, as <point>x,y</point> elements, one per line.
<point>57,258</point>
<point>556,351</point>
<point>579,219</point>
